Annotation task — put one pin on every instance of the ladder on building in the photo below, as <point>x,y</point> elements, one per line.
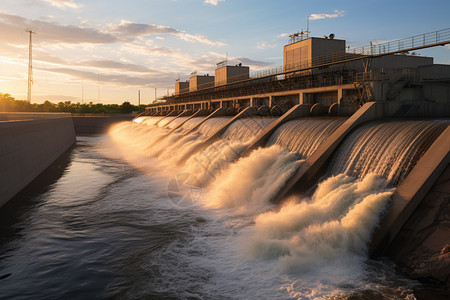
<point>363,85</point>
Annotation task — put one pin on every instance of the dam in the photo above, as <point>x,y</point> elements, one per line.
<point>293,192</point>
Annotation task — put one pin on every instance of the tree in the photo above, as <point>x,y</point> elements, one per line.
<point>127,108</point>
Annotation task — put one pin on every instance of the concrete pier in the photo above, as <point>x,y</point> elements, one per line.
<point>28,147</point>
<point>411,191</point>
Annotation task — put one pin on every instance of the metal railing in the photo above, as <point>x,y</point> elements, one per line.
<point>421,41</point>
<point>408,44</point>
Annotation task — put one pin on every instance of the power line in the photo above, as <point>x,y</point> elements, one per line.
<point>30,63</point>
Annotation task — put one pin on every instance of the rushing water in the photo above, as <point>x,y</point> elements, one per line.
<point>128,219</point>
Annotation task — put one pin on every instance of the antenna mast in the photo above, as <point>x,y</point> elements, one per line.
<point>30,63</point>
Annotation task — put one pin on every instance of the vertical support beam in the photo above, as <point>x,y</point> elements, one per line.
<point>301,96</point>
<point>270,101</point>
<point>339,95</point>
<point>411,191</point>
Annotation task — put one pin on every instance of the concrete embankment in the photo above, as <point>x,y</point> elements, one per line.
<point>29,143</point>
<point>422,247</point>
<point>96,124</point>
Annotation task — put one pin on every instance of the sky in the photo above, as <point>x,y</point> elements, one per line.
<point>104,51</point>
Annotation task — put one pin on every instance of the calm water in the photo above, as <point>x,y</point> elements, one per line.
<point>105,229</point>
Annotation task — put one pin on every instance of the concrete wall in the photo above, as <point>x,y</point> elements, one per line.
<point>28,147</point>
<point>96,124</point>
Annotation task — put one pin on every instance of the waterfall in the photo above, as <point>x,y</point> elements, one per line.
<point>249,184</point>
<point>246,129</point>
<point>305,135</point>
<point>210,126</point>
<point>191,123</point>
<point>317,243</point>
<point>165,121</point>
<point>148,120</point>
<point>176,122</point>
<point>389,149</point>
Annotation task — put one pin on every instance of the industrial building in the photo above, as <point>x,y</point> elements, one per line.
<point>325,74</point>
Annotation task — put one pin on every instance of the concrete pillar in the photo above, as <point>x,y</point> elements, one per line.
<point>301,98</point>
<point>411,191</point>
<point>339,95</point>
<point>271,101</point>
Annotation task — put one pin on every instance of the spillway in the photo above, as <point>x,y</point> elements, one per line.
<point>304,136</point>
<point>165,121</point>
<point>246,129</point>
<point>176,122</point>
<point>325,230</point>
<point>389,149</point>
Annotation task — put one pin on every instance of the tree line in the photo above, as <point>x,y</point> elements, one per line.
<point>10,104</point>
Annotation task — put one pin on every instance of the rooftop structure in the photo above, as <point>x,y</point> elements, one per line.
<point>228,74</point>
<point>324,71</point>
<point>181,87</point>
<point>198,82</point>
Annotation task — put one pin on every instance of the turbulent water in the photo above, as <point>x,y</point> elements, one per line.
<point>142,214</point>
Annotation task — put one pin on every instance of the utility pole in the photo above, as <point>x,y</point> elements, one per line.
<point>98,88</point>
<point>30,63</point>
<point>155,94</point>
<point>139,99</point>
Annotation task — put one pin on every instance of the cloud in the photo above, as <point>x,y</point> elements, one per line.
<point>198,38</point>
<point>281,35</point>
<point>107,64</point>
<point>139,29</point>
<point>63,4</point>
<point>12,27</point>
<point>118,79</point>
<point>213,2</point>
<point>264,45</point>
<point>252,63</point>
<point>115,65</point>
<point>337,13</point>
<point>133,29</point>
